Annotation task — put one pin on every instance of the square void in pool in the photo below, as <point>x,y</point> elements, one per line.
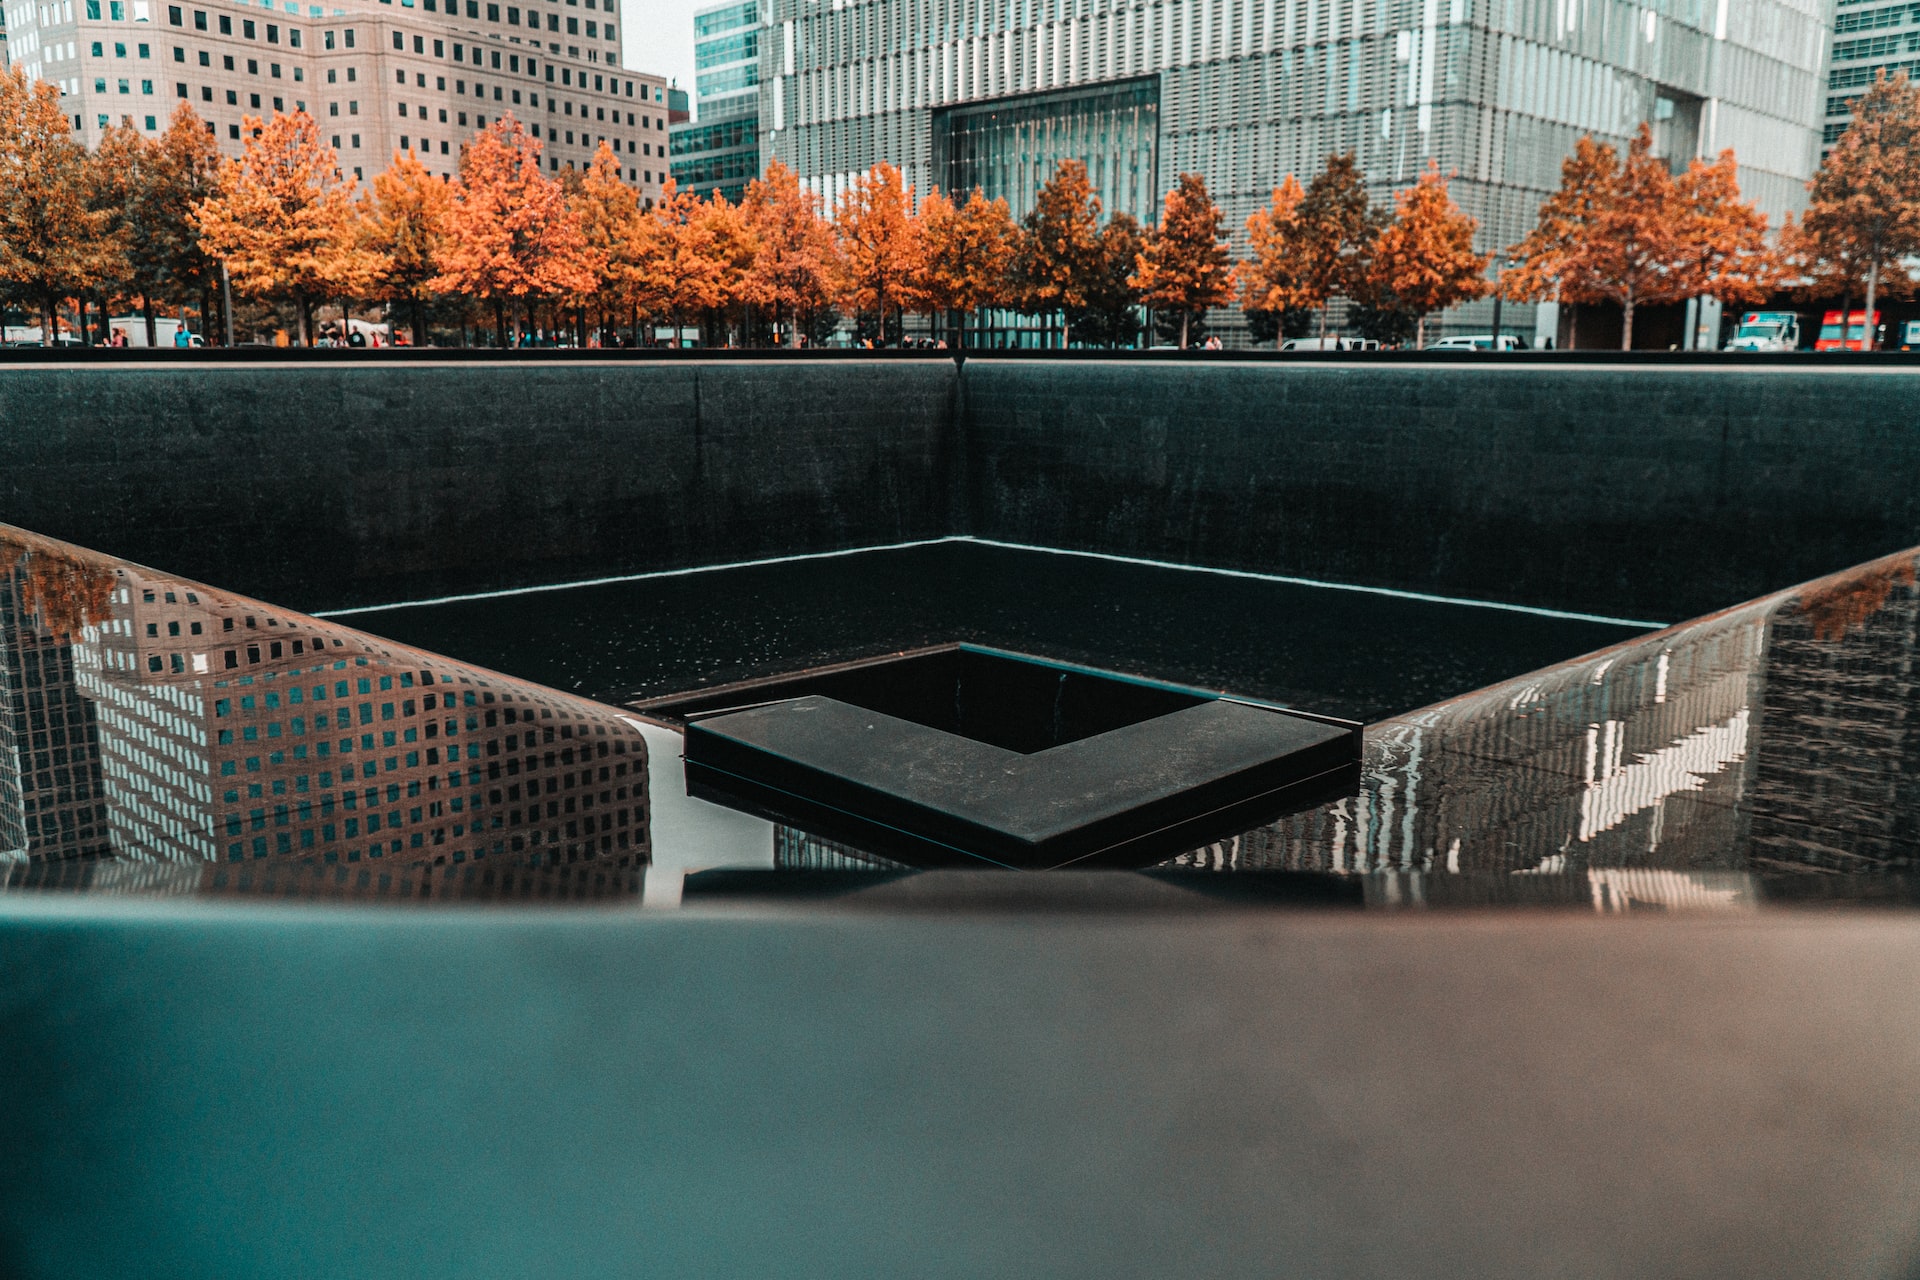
<point>960,755</point>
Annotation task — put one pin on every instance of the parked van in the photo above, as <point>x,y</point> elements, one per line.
<point>1479,342</point>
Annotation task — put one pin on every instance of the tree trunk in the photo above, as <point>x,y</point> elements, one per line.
<point>1326,304</point>
<point>1420,334</point>
<point>1873,284</point>
<point>153,332</point>
<point>1626,323</point>
<point>500,321</point>
<point>1184,317</point>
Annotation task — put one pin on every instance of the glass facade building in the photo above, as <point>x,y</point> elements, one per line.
<point>718,152</point>
<point>1246,91</point>
<point>1008,148</point>
<point>1869,40</point>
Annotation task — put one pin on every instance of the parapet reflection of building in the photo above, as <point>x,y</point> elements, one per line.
<point>156,720</point>
<point>1771,738</point>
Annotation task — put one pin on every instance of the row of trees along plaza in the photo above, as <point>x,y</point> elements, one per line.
<point>151,223</point>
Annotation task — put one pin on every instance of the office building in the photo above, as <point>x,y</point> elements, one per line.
<point>718,152</point>
<point>421,75</point>
<point>994,92</point>
<point>1869,40</point>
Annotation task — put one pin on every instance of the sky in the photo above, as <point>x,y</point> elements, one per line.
<point>659,38</point>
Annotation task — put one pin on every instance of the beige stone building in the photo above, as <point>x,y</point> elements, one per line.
<point>379,76</point>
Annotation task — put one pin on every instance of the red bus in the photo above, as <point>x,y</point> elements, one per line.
<point>1856,339</point>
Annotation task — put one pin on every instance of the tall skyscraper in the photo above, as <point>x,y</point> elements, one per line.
<point>421,76</point>
<point>719,151</point>
<point>993,92</point>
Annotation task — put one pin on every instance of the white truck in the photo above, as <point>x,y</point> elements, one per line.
<point>1766,331</point>
<point>166,330</point>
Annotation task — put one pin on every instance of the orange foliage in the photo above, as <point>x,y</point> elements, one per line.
<point>509,232</point>
<point>1184,267</point>
<point>285,221</point>
<point>66,588</point>
<point>1844,604</point>
<point>1424,260</point>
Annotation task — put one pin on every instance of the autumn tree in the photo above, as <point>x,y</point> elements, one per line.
<point>608,211</point>
<point>1863,217</point>
<point>55,242</point>
<point>284,219</point>
<point>1060,251</point>
<point>510,236</point>
<point>677,269</point>
<point>1111,314</point>
<point>968,251</point>
<point>1632,253</point>
<point>1548,264</point>
<point>796,260</point>
<point>1424,261</point>
<point>1273,280</point>
<point>1338,227</point>
<point>1184,267</point>
<point>731,248</point>
<point>403,225</point>
<point>879,242</point>
<point>170,261</point>
<point>1724,249</point>
<point>149,188</point>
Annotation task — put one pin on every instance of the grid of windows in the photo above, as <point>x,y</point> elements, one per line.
<point>164,725</point>
<point>437,62</point>
<point>1497,91</point>
<point>721,154</point>
<point>1855,63</point>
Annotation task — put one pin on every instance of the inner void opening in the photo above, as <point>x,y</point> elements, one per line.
<point>1356,655</point>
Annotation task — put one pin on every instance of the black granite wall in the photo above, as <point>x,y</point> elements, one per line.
<point>1655,491</point>
<point>323,486</point>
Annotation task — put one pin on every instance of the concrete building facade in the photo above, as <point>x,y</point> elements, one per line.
<point>1243,92</point>
<point>421,75</point>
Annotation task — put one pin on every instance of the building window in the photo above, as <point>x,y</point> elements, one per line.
<point>180,90</point>
<point>349,42</point>
<point>253,66</point>
<point>226,25</point>
<point>333,109</point>
<point>150,124</point>
<point>199,18</point>
<point>326,42</point>
<point>206,93</point>
<point>226,62</point>
<point>273,34</point>
<point>293,37</point>
<point>356,145</point>
<point>205,61</point>
<point>273,69</point>
<point>253,100</point>
<point>146,87</point>
<point>175,16</point>
<point>246,28</point>
<point>233,99</point>
<point>233,131</point>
